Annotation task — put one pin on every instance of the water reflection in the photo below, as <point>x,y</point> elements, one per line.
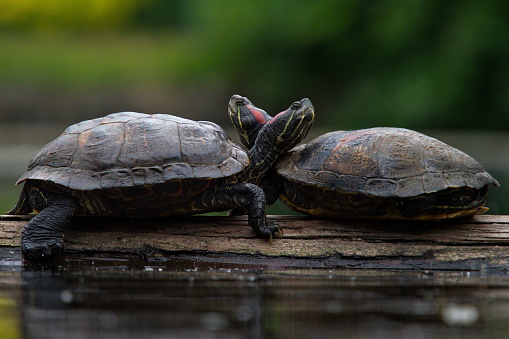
<point>113,304</point>
<point>128,297</point>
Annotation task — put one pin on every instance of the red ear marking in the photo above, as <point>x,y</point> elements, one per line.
<point>276,117</point>
<point>258,116</point>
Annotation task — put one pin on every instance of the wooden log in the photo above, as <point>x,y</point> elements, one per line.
<point>480,242</point>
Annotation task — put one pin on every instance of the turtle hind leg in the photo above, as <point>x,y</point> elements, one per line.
<point>42,238</point>
<point>23,205</point>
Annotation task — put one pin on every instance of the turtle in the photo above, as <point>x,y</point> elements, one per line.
<point>131,164</point>
<point>374,173</point>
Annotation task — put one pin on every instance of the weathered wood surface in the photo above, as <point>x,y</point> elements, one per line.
<point>473,243</point>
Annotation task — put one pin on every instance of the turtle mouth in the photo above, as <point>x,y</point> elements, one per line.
<point>233,110</point>
<point>308,113</point>
<point>235,104</point>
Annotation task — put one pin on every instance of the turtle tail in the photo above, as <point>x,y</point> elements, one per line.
<point>23,205</point>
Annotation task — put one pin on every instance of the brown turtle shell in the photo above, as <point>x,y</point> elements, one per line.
<point>382,162</point>
<point>131,149</point>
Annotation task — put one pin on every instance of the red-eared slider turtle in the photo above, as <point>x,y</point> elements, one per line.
<point>375,173</point>
<point>133,164</point>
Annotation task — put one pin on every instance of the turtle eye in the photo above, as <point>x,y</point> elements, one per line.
<point>296,105</point>
<point>240,102</point>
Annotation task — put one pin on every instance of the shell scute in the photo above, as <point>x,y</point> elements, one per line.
<point>83,180</point>
<point>123,117</point>
<point>483,179</point>
<point>312,157</point>
<point>400,157</point>
<point>409,187</point>
<point>353,160</point>
<point>326,179</point>
<point>98,148</point>
<point>148,142</point>
<point>434,182</point>
<point>116,178</point>
<point>230,165</point>
<point>148,175</point>
<point>177,171</point>
<point>83,126</point>
<point>439,158</point>
<point>457,179</point>
<point>380,187</point>
<point>58,153</point>
<point>350,183</point>
<point>173,118</point>
<point>198,144</point>
<point>209,171</point>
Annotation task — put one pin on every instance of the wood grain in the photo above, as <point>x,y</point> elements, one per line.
<point>479,242</point>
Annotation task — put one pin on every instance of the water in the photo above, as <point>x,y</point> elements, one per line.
<point>182,296</point>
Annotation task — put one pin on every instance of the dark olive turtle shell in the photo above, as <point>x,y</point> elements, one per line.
<point>382,162</point>
<point>131,149</point>
<point>382,173</point>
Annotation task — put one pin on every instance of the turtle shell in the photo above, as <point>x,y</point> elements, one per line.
<point>382,162</point>
<point>131,149</point>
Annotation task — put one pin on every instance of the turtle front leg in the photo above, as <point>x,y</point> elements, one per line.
<point>42,238</point>
<point>251,198</point>
<point>271,185</point>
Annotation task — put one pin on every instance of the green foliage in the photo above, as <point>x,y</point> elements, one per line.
<point>58,15</point>
<point>86,60</point>
<point>8,194</point>
<point>410,63</point>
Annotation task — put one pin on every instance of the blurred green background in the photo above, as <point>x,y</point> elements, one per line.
<point>439,67</point>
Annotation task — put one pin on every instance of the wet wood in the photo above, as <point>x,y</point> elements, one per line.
<point>480,242</point>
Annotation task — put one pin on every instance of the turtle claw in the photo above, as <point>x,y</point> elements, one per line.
<point>277,233</point>
<point>271,230</point>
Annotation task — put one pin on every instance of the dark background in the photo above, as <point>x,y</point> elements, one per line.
<point>419,64</point>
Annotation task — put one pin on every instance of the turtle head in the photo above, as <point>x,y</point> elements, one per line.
<point>285,130</point>
<point>247,119</point>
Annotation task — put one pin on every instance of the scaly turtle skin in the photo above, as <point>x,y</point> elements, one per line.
<point>375,173</point>
<point>133,164</point>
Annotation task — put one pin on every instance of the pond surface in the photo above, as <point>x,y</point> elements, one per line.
<point>185,296</point>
